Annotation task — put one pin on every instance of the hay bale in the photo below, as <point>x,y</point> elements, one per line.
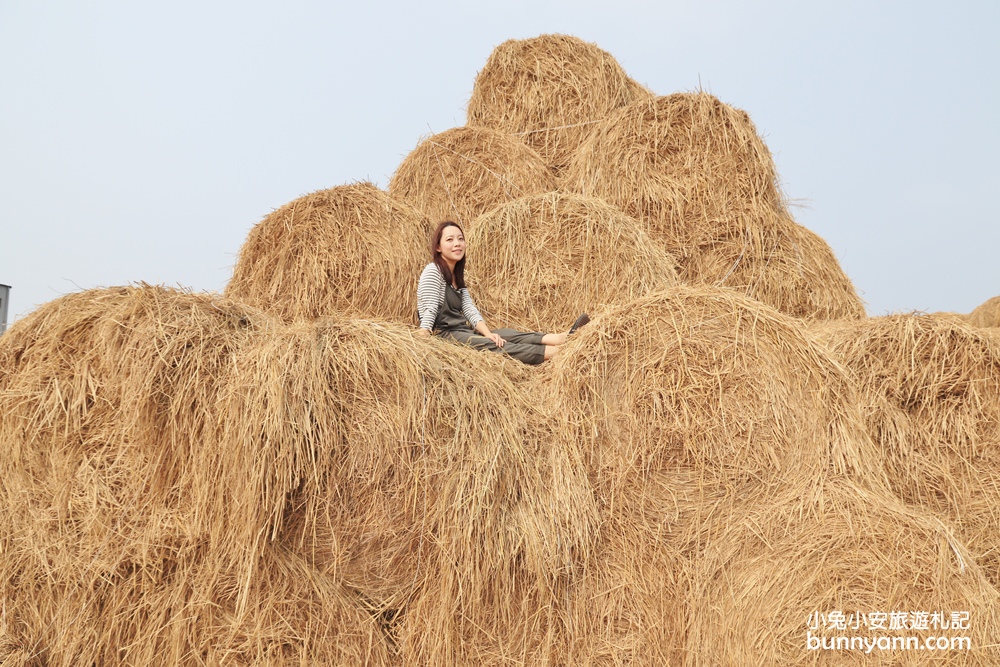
<point>681,163</point>
<point>549,90</point>
<point>706,380</point>
<point>350,250</point>
<point>695,172</point>
<point>686,404</point>
<point>416,472</point>
<point>126,537</point>
<point>780,263</point>
<point>463,172</point>
<point>108,420</point>
<point>540,261</point>
<point>763,561</point>
<point>930,388</point>
<point>987,314</point>
<point>756,592</point>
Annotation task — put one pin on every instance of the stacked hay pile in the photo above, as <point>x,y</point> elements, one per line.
<point>289,475</point>
<point>549,90</point>
<point>188,480</point>
<point>738,490</point>
<point>546,259</point>
<point>415,472</point>
<point>695,172</point>
<point>930,387</point>
<point>351,249</point>
<point>686,404</point>
<point>466,171</point>
<point>125,538</point>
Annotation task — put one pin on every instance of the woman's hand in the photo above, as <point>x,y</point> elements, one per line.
<point>496,339</point>
<point>485,332</point>
<point>423,333</point>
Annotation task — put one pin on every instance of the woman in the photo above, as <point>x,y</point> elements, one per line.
<point>445,306</point>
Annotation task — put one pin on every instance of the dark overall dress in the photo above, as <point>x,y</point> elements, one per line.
<point>451,323</point>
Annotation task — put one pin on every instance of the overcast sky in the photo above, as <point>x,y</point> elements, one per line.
<point>141,141</point>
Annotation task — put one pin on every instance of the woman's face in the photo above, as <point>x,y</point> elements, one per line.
<point>452,245</point>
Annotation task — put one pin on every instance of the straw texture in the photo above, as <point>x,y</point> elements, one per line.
<point>687,405</point>
<point>538,262</point>
<point>464,172</point>
<point>417,473</point>
<point>348,250</point>
<point>987,314</point>
<point>694,171</point>
<point>122,527</point>
<point>775,574</point>
<point>930,387</point>
<point>549,90</point>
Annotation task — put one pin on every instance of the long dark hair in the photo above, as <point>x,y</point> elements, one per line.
<point>459,277</point>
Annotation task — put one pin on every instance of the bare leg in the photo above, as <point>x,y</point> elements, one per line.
<point>553,339</point>
<point>550,351</point>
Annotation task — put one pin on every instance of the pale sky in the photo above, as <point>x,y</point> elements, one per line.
<point>142,141</point>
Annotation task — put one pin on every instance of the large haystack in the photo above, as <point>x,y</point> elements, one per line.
<point>695,172</point>
<point>538,262</point>
<point>417,473</point>
<point>930,387</point>
<point>124,534</point>
<point>792,581</point>
<point>351,250</point>
<point>987,314</point>
<point>463,172</point>
<point>549,90</point>
<point>686,404</point>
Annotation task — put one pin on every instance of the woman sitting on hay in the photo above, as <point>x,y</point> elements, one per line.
<point>445,306</point>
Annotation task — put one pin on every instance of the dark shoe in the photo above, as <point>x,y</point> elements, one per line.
<point>580,321</point>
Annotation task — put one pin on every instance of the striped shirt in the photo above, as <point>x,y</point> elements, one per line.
<point>430,298</point>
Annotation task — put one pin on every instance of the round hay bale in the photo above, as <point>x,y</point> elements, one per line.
<point>350,250</point>
<point>549,90</point>
<point>695,172</point>
<point>687,404</point>
<point>540,261</point>
<point>125,539</point>
<point>705,380</point>
<point>931,392</point>
<point>792,581</point>
<point>415,471</point>
<point>108,419</point>
<point>463,172</point>
<point>780,263</point>
<point>683,164</point>
<point>987,314</point>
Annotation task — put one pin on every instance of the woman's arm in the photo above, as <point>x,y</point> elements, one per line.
<point>485,332</point>
<point>476,319</point>
<point>430,296</point>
